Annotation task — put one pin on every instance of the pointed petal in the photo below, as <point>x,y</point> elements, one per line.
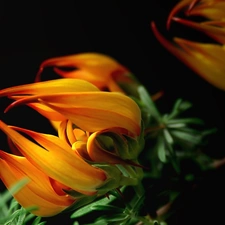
<point>47,112</point>
<point>210,9</point>
<point>57,160</point>
<point>65,132</point>
<point>95,63</point>
<point>38,192</point>
<point>98,81</point>
<point>92,111</point>
<point>49,87</point>
<point>184,4</point>
<point>214,30</point>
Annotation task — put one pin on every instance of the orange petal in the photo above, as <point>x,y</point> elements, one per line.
<point>98,81</point>
<point>214,30</point>
<point>65,132</point>
<point>49,87</point>
<point>92,111</point>
<point>205,59</point>
<point>57,160</point>
<point>99,64</point>
<point>38,192</point>
<point>99,154</point>
<point>46,112</point>
<point>210,9</point>
<point>183,4</point>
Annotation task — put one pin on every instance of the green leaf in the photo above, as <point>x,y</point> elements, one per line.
<point>86,209</point>
<point>76,223</point>
<point>36,220</point>
<point>111,219</point>
<point>179,107</point>
<point>21,217</point>
<point>185,121</point>
<point>168,137</point>
<point>110,208</point>
<point>188,137</point>
<point>8,193</point>
<point>161,151</point>
<point>149,104</point>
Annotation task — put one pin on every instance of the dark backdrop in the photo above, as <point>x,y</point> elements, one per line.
<point>32,31</point>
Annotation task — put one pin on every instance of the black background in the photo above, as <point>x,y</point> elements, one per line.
<point>32,31</point>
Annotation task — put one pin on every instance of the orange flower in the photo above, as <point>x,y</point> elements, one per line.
<point>210,9</point>
<point>55,158</point>
<point>58,167</point>
<point>81,102</point>
<point>94,127</point>
<point>99,69</point>
<point>206,59</point>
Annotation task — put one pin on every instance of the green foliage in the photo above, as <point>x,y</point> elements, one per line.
<point>175,137</point>
<point>119,212</point>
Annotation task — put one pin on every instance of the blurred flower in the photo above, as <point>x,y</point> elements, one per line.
<point>209,9</point>
<point>206,59</point>
<point>99,69</point>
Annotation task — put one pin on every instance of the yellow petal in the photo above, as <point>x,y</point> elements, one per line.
<point>98,81</point>
<point>178,7</point>
<point>215,30</point>
<point>92,111</point>
<point>96,68</point>
<point>49,87</point>
<point>46,112</point>
<point>57,160</point>
<point>205,59</point>
<point>65,132</point>
<point>211,9</point>
<point>68,133</point>
<point>38,192</point>
<point>108,81</point>
<point>95,63</point>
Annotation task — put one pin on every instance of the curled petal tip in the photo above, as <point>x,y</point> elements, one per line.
<point>38,75</point>
<point>158,36</point>
<point>153,26</point>
<point>168,23</point>
<point>176,19</point>
<point>189,4</point>
<point>10,107</point>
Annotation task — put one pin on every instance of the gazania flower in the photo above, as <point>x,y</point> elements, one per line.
<point>81,102</point>
<point>99,69</point>
<point>206,59</point>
